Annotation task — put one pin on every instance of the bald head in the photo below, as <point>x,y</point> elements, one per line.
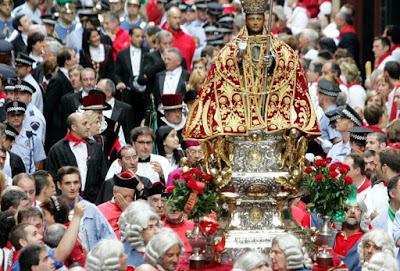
<point>174,18</point>
<point>77,124</point>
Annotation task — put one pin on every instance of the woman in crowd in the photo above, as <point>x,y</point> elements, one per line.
<point>107,255</point>
<point>168,145</point>
<point>96,55</point>
<point>374,97</point>
<point>252,261</point>
<point>287,254</point>
<point>373,242</point>
<point>35,47</point>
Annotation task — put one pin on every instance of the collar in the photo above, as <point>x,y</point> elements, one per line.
<point>382,58</point>
<point>178,126</point>
<point>111,102</point>
<point>71,138</point>
<point>64,71</point>
<point>146,160</point>
<point>364,185</point>
<point>135,49</point>
<point>346,29</point>
<point>394,47</point>
<point>175,72</point>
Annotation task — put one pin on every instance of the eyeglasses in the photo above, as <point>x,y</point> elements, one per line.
<point>144,142</point>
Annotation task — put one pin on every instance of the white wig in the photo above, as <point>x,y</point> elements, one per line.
<point>105,256</point>
<point>296,257</point>
<point>160,244</point>
<point>134,220</point>
<point>381,261</point>
<point>250,260</point>
<point>381,239</point>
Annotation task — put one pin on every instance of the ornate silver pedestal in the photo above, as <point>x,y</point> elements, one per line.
<point>258,203</point>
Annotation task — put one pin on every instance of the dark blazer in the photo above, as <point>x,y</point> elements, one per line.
<point>61,155</point>
<point>19,45</point>
<point>159,85</point>
<point>123,73</point>
<point>70,103</point>
<point>350,42</point>
<point>16,164</point>
<point>106,190</point>
<point>58,87</point>
<point>107,67</point>
<point>123,114</point>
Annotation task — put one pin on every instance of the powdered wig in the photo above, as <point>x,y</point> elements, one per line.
<point>105,256</point>
<point>381,261</point>
<point>292,248</point>
<point>160,244</point>
<point>381,239</point>
<point>134,220</point>
<point>250,260</point>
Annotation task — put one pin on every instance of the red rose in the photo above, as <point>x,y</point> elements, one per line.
<point>334,166</point>
<point>196,171</point>
<point>318,162</point>
<point>343,169</point>
<point>328,160</point>
<point>169,189</point>
<point>319,177</point>
<point>186,176</point>
<point>308,170</point>
<point>348,180</point>
<point>333,174</point>
<point>207,177</point>
<point>176,176</point>
<point>324,163</point>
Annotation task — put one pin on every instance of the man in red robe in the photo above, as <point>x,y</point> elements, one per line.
<point>125,185</point>
<point>184,42</point>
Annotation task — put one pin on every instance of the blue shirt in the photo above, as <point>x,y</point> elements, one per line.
<point>135,258</point>
<point>6,27</point>
<point>35,121</point>
<point>61,31</point>
<point>339,151</point>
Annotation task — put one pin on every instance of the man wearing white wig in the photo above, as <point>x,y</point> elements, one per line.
<point>373,242</point>
<point>287,254</point>
<point>138,223</point>
<point>381,261</point>
<point>162,252</point>
<point>107,255</point>
<point>252,261</point>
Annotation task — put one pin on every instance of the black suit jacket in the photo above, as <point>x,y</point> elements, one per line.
<point>58,87</point>
<point>123,114</point>
<point>123,73</point>
<point>16,164</point>
<point>19,45</point>
<point>61,155</point>
<point>159,85</point>
<point>69,104</point>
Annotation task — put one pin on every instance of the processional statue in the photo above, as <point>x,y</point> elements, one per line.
<point>254,117</point>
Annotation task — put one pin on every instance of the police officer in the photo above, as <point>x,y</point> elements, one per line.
<point>27,144</point>
<point>348,118</point>
<point>34,119</point>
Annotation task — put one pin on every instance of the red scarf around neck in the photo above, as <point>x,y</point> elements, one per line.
<point>71,138</point>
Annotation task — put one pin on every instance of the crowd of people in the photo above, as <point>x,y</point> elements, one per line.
<point>94,96</point>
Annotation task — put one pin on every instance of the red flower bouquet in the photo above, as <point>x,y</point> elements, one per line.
<point>329,187</point>
<point>193,193</point>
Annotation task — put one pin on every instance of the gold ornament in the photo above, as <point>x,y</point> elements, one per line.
<point>254,6</point>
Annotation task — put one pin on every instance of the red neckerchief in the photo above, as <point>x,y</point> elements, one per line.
<point>394,145</point>
<point>393,109</point>
<point>130,268</point>
<point>382,58</point>
<point>366,183</point>
<point>352,84</point>
<point>346,29</point>
<point>394,47</point>
<point>72,138</point>
<point>374,128</point>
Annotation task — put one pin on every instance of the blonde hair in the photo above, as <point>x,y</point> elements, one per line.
<point>350,71</point>
<point>196,80</point>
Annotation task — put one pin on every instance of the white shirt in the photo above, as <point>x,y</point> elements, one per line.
<point>298,21</point>
<point>37,96</point>
<point>97,53</point>
<point>136,55</point>
<point>396,55</point>
<point>171,81</point>
<point>81,155</point>
<point>356,96</point>
<point>144,169</point>
<point>376,199</point>
<point>25,9</point>
<point>108,113</point>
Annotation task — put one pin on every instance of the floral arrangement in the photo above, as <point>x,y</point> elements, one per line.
<point>193,193</point>
<point>329,187</point>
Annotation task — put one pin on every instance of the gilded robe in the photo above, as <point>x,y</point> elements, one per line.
<point>231,98</point>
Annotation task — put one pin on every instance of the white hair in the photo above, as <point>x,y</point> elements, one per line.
<point>381,261</point>
<point>134,220</point>
<point>310,34</point>
<point>250,260</point>
<point>381,239</point>
<point>105,256</point>
<point>160,244</point>
<point>296,257</point>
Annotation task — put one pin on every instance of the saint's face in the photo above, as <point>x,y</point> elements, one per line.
<point>255,23</point>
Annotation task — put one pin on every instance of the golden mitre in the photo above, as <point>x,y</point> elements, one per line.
<point>254,6</point>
